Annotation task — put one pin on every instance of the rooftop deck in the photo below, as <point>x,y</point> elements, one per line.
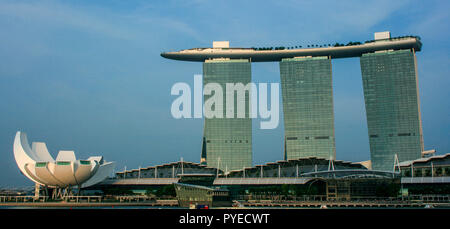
<point>255,55</point>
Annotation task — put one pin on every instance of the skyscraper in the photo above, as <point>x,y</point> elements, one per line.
<point>392,106</point>
<point>227,142</point>
<point>307,92</point>
<point>390,92</point>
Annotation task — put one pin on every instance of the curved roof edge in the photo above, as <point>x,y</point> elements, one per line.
<point>39,166</point>
<point>201,55</point>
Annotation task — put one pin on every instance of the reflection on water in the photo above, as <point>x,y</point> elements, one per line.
<point>160,207</point>
<point>99,207</point>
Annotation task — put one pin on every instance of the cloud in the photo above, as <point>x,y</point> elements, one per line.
<point>57,14</point>
<point>94,19</point>
<point>167,23</point>
<point>198,20</point>
<point>433,23</point>
<point>336,18</point>
<point>265,22</point>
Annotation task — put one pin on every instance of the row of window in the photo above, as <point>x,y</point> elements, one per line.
<point>43,164</point>
<point>231,141</point>
<point>392,135</point>
<point>307,138</point>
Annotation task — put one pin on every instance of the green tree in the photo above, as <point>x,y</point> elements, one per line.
<point>428,172</point>
<point>407,173</point>
<point>418,173</point>
<point>438,171</point>
<point>167,190</point>
<point>284,189</point>
<point>117,191</point>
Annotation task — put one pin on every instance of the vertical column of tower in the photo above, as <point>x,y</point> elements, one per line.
<point>392,107</point>
<point>307,93</point>
<point>227,142</point>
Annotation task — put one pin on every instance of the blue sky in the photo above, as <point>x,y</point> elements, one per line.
<point>87,75</point>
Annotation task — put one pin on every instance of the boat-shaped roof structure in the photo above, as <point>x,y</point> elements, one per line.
<point>258,55</point>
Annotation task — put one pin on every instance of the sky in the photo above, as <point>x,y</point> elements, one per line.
<point>88,76</point>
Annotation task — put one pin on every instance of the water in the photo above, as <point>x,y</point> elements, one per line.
<point>163,207</point>
<point>95,207</point>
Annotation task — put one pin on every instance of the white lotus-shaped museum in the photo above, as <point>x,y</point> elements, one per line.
<point>38,165</point>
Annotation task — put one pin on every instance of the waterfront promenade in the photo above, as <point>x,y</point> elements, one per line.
<point>143,201</point>
<point>86,201</point>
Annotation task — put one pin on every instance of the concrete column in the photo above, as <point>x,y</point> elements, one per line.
<point>37,188</point>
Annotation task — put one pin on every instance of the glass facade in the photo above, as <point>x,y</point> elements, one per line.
<point>227,142</point>
<point>392,107</point>
<point>307,93</point>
